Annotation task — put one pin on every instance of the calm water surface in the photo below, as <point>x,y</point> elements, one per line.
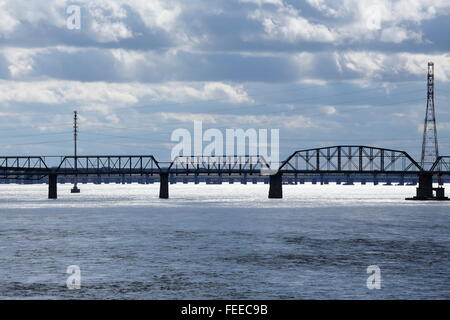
<point>222,241</point>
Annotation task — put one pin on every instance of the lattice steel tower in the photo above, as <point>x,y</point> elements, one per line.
<point>75,188</point>
<point>430,151</point>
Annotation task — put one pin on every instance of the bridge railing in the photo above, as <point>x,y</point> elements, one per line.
<point>109,164</point>
<point>225,164</point>
<point>351,159</point>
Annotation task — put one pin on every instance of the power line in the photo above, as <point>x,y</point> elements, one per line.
<point>37,134</point>
<point>261,113</point>
<point>272,105</point>
<point>34,143</point>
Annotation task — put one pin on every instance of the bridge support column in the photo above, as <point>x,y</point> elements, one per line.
<point>276,186</point>
<point>425,189</point>
<point>75,189</point>
<point>52,186</point>
<point>164,185</point>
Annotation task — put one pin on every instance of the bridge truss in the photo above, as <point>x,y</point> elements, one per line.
<point>342,159</point>
<point>334,162</point>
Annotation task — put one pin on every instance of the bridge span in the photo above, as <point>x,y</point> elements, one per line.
<point>341,164</point>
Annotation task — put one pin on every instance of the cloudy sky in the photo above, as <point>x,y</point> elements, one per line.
<point>324,72</point>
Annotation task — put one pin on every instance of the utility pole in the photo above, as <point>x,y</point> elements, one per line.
<point>75,188</point>
<point>430,150</point>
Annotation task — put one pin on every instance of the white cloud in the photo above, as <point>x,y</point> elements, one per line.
<point>376,65</point>
<point>20,61</point>
<point>219,90</point>
<point>286,23</point>
<point>243,120</point>
<point>7,21</point>
<point>321,5</point>
<point>14,13</point>
<point>262,2</point>
<point>108,19</point>
<point>398,10</point>
<point>108,31</point>
<point>363,68</point>
<point>188,117</point>
<point>185,52</point>
<point>352,20</point>
<point>99,94</point>
<point>383,20</point>
<point>398,35</point>
<point>329,110</point>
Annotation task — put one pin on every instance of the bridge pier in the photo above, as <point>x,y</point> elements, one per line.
<point>52,186</point>
<point>164,185</point>
<point>276,186</point>
<point>75,189</point>
<point>425,189</point>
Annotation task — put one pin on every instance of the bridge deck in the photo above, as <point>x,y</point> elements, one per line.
<point>326,161</point>
<point>340,164</point>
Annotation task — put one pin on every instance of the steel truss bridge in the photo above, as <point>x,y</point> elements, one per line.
<point>340,164</point>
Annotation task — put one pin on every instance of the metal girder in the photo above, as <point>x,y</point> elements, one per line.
<point>350,159</point>
<point>22,167</point>
<point>334,159</point>
<point>223,164</point>
<point>22,163</point>
<point>442,164</point>
<point>108,164</point>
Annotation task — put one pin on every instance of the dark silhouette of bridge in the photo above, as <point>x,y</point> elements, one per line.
<point>338,164</point>
<point>341,164</point>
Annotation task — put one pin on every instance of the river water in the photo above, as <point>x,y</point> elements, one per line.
<point>223,242</point>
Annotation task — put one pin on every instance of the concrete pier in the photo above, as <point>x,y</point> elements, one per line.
<point>276,186</point>
<point>52,186</point>
<point>425,189</point>
<point>75,189</point>
<point>164,185</point>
